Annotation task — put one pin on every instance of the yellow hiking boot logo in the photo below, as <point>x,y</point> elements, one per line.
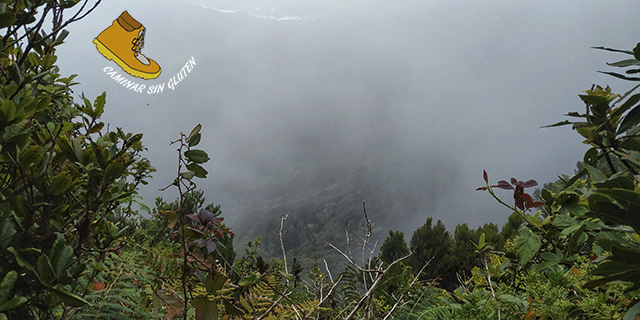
<point>122,42</point>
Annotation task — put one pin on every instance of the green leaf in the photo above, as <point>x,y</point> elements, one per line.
<point>69,298</point>
<point>231,309</point>
<point>561,123</point>
<point>13,303</point>
<point>527,245</point>
<point>196,156</point>
<point>6,286</point>
<point>187,175</point>
<point>33,154</point>
<point>215,282</point>
<point>7,111</point>
<point>249,280</point>
<point>7,19</point>
<point>21,260</point>
<point>624,63</point>
<point>96,127</point>
<point>633,312</point>
<point>45,270</point>
<point>205,309</point>
<point>194,140</point>
<point>613,50</point>
<point>636,51</point>
<point>98,104</point>
<point>194,131</point>
<point>114,169</point>
<point>199,171</point>
<point>630,120</point>
<point>61,256</point>
<point>620,76</point>
<point>595,174</point>
<point>61,182</point>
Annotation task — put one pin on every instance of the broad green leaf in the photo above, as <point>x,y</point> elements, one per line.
<point>215,282</point>
<point>17,254</point>
<point>550,259</point>
<point>98,104</point>
<point>205,309</point>
<point>6,286</point>
<point>199,171</point>
<point>69,298</point>
<point>194,131</point>
<point>481,242</point>
<point>114,169</point>
<point>61,182</point>
<point>194,140</point>
<point>7,111</point>
<point>196,156</point>
<point>633,312</point>
<point>61,255</point>
<point>636,51</point>
<point>187,175</point>
<point>13,303</point>
<point>633,100</point>
<point>45,270</point>
<point>7,19</point>
<point>630,120</point>
<point>96,127</point>
<point>232,309</point>
<point>33,154</point>
<point>249,280</point>
<point>595,174</point>
<point>527,245</point>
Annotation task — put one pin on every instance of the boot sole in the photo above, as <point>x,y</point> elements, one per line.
<point>112,56</point>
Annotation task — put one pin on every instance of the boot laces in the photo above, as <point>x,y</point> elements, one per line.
<point>138,43</point>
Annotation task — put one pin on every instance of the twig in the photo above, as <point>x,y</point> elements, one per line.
<point>328,271</point>
<point>284,254</point>
<point>410,285</point>
<point>493,293</point>
<point>373,286</point>
<point>322,299</point>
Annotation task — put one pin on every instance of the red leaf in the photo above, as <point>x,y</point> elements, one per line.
<point>485,176</point>
<point>530,183</point>
<point>519,196</point>
<point>481,188</point>
<point>502,184</point>
<point>97,286</point>
<point>514,181</point>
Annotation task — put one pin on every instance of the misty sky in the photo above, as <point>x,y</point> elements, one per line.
<point>435,91</point>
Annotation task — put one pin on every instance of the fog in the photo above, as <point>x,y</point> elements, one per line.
<point>415,98</point>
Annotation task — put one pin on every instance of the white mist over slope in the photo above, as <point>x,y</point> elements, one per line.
<point>295,97</point>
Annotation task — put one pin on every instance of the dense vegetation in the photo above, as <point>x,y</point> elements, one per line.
<point>72,246</point>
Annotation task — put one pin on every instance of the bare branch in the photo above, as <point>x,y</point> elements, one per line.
<point>410,285</point>
<point>322,299</point>
<point>284,254</point>
<point>328,271</point>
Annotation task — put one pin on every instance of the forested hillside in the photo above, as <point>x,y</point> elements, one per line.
<point>73,244</point>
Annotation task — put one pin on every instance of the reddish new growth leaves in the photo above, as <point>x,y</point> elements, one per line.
<point>208,230</point>
<point>97,286</point>
<point>523,200</point>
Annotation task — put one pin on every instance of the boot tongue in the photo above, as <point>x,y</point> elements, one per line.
<point>138,48</point>
<point>143,59</point>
